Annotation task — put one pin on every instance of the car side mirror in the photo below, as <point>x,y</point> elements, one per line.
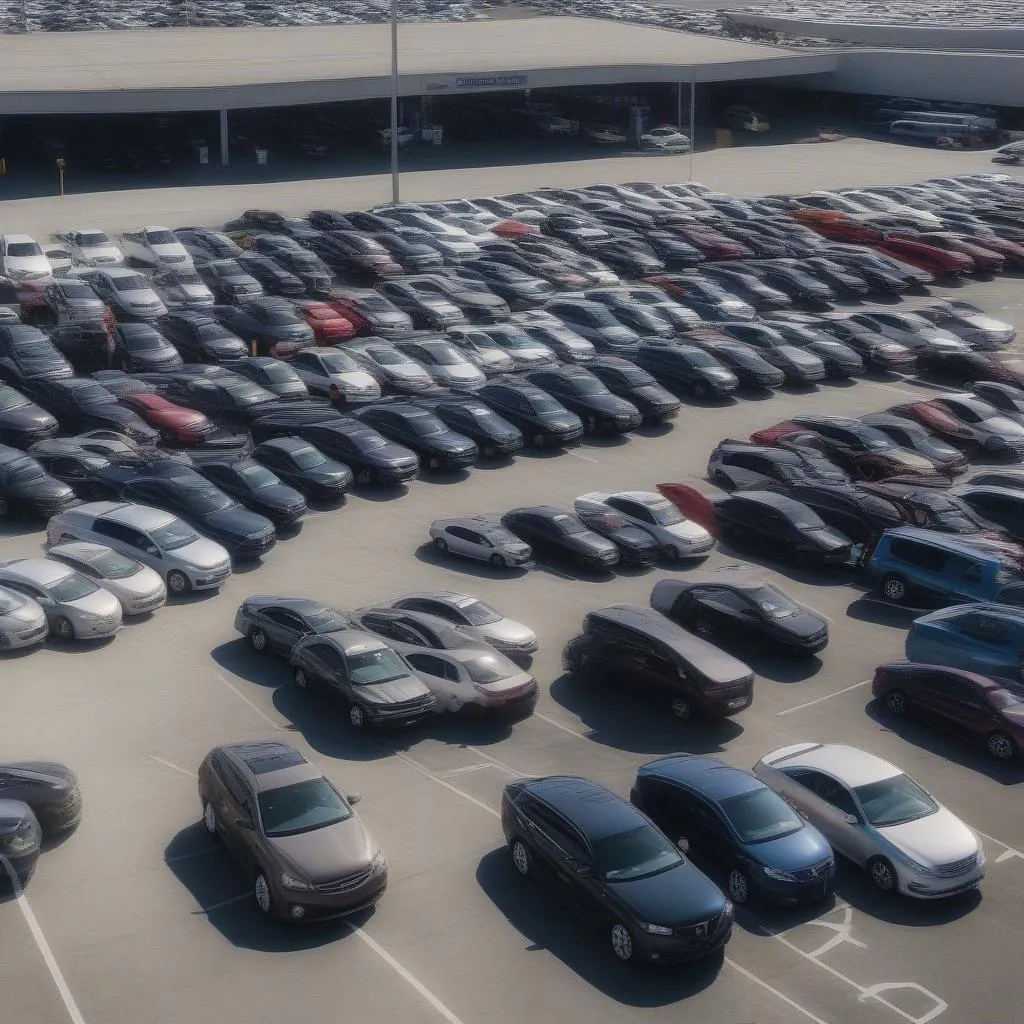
<point>152,549</point>
<point>353,798</point>
<point>851,819</point>
<point>243,823</point>
<point>683,844</point>
<point>581,870</point>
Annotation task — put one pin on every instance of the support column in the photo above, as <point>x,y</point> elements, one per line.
<point>693,115</point>
<point>225,147</point>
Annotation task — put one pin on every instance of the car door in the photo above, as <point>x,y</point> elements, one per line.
<point>326,669</point>
<point>988,642</point>
<point>284,628</point>
<point>231,803</point>
<point>441,677</point>
<point>830,806</point>
<point>567,857</point>
<point>671,808</point>
<point>724,609</point>
<point>130,540</point>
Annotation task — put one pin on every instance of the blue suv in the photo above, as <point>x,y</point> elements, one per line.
<point>983,638</point>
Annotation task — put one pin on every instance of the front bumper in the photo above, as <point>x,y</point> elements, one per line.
<point>250,548</point>
<point>210,580</point>
<point>27,637</point>
<point>680,946</point>
<point>331,900</point>
<point>145,603</point>
<point>57,818</point>
<point>99,629</point>
<point>930,887</point>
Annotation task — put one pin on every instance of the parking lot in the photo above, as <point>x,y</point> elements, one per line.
<point>140,917</point>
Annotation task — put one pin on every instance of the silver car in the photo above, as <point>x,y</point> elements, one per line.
<point>482,538</point>
<point>481,350</point>
<point>22,620</point>
<point>185,559</point>
<point>472,678</point>
<point>139,588</point>
<point>525,350</point>
<point>444,362</point>
<point>878,817</point>
<point>675,535</point>
<point>183,288</point>
<point>76,608</point>
<point>389,366</point>
<point>475,617</point>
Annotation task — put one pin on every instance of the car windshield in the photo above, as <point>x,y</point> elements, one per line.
<point>635,853</point>
<point>36,355</point>
<point>476,612</point>
<point>894,801</point>
<point>773,602</point>
<point>486,669</point>
<point>132,283</point>
<point>634,377</point>
<point>9,602</point>
<point>541,404</point>
<point>24,249</point>
<point>373,302</point>
<point>72,587</point>
<point>760,815</point>
<point>24,471</point>
<point>173,535</point>
<point>380,666</point>
<point>388,356</point>
<point>256,475</point>
<point>278,373</point>
<point>665,514</point>
<point>203,500</point>
<point>11,399</point>
<point>110,564</point>
<point>337,362</point>
<point>443,355</point>
<point>88,238</point>
<point>698,358</point>
<point>301,807</point>
<point>245,392</point>
<point>146,338</point>
<point>308,458</point>
<point>326,620</point>
<point>587,385</point>
<point>93,394</point>
<point>279,316</point>
<point>213,331</point>
<point>513,340</point>
<point>567,524</point>
<point>77,290</point>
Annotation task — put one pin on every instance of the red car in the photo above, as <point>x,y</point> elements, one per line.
<point>514,229</point>
<point>936,261</point>
<point>694,505</point>
<point>329,325</point>
<point>940,423</point>
<point>1012,252</point>
<point>984,258</point>
<point>713,245</point>
<point>988,710</point>
<point>177,425</point>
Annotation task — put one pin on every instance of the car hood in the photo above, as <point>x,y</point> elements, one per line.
<point>395,691</point>
<point>674,898</point>
<point>444,306</point>
<point>140,584</point>
<point>28,417</point>
<point>802,624</point>
<point>202,554</point>
<point>102,602</point>
<point>626,536</point>
<point>508,631</point>
<point>142,298</point>
<point>279,496</point>
<point>353,379</point>
<point>1001,425</point>
<point>827,539</point>
<point>327,854</point>
<point>46,490</point>
<point>687,530</point>
<point>17,618</point>
<point>799,357</point>
<point>939,838</point>
<point>410,373</point>
<point>195,291</point>
<point>237,520</point>
<point>463,372</point>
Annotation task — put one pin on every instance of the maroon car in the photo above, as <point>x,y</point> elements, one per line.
<point>990,710</point>
<point>177,425</point>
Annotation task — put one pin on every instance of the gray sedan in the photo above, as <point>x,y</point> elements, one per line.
<point>22,620</point>
<point>139,588</point>
<point>482,538</point>
<point>76,608</point>
<point>477,678</point>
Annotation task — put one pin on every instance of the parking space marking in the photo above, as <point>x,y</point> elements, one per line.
<point>42,945</point>
<point>222,903</point>
<point>465,769</point>
<point>585,458</point>
<point>192,855</point>
<point>774,991</point>
<point>425,771</point>
<point>242,697</point>
<point>1008,851</point>
<point>493,762</point>
<point>819,700</point>
<point>558,725</point>
<point>173,767</point>
<point>891,387</point>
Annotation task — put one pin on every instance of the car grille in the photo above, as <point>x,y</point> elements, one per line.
<point>769,380</point>
<point>409,708</point>
<point>348,882</point>
<point>1016,445</point>
<point>150,602</point>
<point>818,870</point>
<point>736,690</point>
<point>29,634</point>
<point>702,929</point>
<point>817,638</point>
<point>957,867</point>
<point>217,576</point>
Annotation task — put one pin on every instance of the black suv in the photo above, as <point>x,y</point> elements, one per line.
<point>584,394</point>
<point>200,339</point>
<point>687,368</point>
<point>541,418</point>
<point>437,445</point>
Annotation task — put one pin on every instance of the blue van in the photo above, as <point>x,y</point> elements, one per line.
<point>909,562</point>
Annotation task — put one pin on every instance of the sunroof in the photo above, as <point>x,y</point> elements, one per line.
<point>261,758</point>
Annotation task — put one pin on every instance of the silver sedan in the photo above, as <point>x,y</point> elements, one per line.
<point>22,620</point>
<point>482,538</point>
<point>139,588</point>
<point>76,608</point>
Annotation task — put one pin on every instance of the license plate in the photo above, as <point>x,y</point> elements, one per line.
<point>738,702</point>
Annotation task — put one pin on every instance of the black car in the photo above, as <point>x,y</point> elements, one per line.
<point>277,624</point>
<point>1003,506</point>
<point>92,475</point>
<point>672,250</point>
<point>201,339</point>
<point>51,790</point>
<point>274,278</point>
<point>783,525</point>
<point>801,368</point>
<point>494,435</point>
<point>372,457</point>
<point>747,286</point>
<point>314,274</point>
<point>789,277</point>
<point>220,395</point>
<point>742,464</point>
<point>880,271</point>
<point>273,374</point>
<point>636,546</point>
<point>140,348</point>
<point>520,289</point>
<point>613,868</point>
<point>20,843</point>
<point>840,279</point>
<point>267,220</point>
<point>258,489</point>
<point>22,422</point>
<point>352,252</point>
<point>1006,398</point>
<point>413,257</point>
<point>304,467</point>
<point>28,490</point>
<point>424,302</point>
<point>478,304</point>
<point>286,419</point>
<point>840,359</point>
<point>915,438</point>
<point>271,326</point>
<point>27,354</point>
<point>215,244</point>
<point>747,364</point>
<point>643,321</point>
<point>739,608</point>
<point>641,651</point>
<point>88,346</point>
<point>185,493</point>
<point>584,394</point>
<point>81,404</point>
<point>228,281</point>
<point>847,508</point>
<point>553,531</point>
<point>542,419</point>
<point>636,385</point>
<point>436,444</point>
<point>628,256</point>
<point>687,368</point>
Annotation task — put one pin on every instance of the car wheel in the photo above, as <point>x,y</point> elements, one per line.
<point>64,628</point>
<point>681,707</point>
<point>622,942</point>
<point>301,679</point>
<point>894,588</point>
<point>592,424</point>
<point>262,894</point>
<point>356,717</point>
<point>896,702</point>
<point>672,553</point>
<point>364,476</point>
<point>738,887</point>
<point>178,583</point>
<point>210,819</point>
<point>1001,746</point>
<point>435,462</point>
<point>702,626</point>
<point>488,452</point>
<point>441,544</point>
<point>498,562</point>
<point>538,441</point>
<point>699,389</point>
<point>520,857</point>
<point>257,639</point>
<point>883,874</point>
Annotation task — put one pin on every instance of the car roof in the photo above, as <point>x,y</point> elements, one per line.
<point>779,502</point>
<point>1004,611</point>
<point>85,550</point>
<point>984,682</point>
<point>143,517</point>
<point>946,541</point>
<point>708,775</point>
<point>354,641</point>
<point>284,444</point>
<point>297,604</point>
<point>37,570</point>
<point>271,764</point>
<point>848,764</point>
<point>596,811</point>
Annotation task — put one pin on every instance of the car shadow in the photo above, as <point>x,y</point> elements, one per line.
<point>655,429</point>
<point>376,493</point>
<point>551,928</point>
<point>489,463</point>
<point>759,556</point>
<point>429,555</point>
<point>946,743</point>
<point>639,726</point>
<point>764,919</point>
<point>207,872</point>
<point>326,504</point>
<point>868,608</point>
<point>607,440</point>
<point>444,477</point>
<point>531,452</point>
<point>779,669</point>
<point>53,643</point>
<point>757,394</point>
<point>238,658</point>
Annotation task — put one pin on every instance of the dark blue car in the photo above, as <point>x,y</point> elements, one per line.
<point>734,825</point>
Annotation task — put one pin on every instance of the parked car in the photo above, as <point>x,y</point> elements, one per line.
<point>329,326</point>
<point>90,247</point>
<point>636,385</point>
<point>436,444</point>
<point>303,466</point>
<point>201,339</point>
<point>584,394</point>
<point>183,288</point>
<point>446,365</point>
<point>877,817</point>
<point>81,404</point>
<point>275,279</point>
<point>1003,506</point>
<point>373,458</point>
<point>276,624</point>
<point>800,367</point>
<point>390,366</point>
<point>22,422</point>
<point>482,538</point>
<point>253,485</point>
<point>228,281</point>
<point>687,368</point>
<point>22,621</point>
<point>494,435</point>
<point>978,422</point>
<point>636,547</point>
<point>543,420</point>
<point>22,259</point>
<point>275,375</point>
<point>271,326</point>
<point>27,490</point>
<point>155,247</point>
<point>968,322</point>
<point>913,437</point>
<point>745,362</point>
<point>332,373</point>
<point>128,294</point>
<point>554,532</point>
<point>371,312</point>
<point>140,589</point>
<point>851,510</point>
<point>740,465</point>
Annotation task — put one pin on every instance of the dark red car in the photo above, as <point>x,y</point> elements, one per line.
<point>713,245</point>
<point>984,258</point>
<point>329,325</point>
<point>988,710</point>
<point>692,504</point>
<point>936,261</point>
<point>177,425</point>
<point>939,422</point>
<point>1012,252</point>
<point>514,229</point>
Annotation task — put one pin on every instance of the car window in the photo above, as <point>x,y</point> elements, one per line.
<point>983,627</point>
<point>380,665</point>
<point>301,807</point>
<point>561,833</point>
<point>431,665</point>
<point>760,815</point>
<point>118,531</point>
<point>921,555</point>
<point>635,853</point>
<point>826,787</point>
<point>894,801</point>
<point>723,596</point>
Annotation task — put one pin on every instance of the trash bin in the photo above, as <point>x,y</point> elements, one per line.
<point>261,155</point>
<point>204,154</point>
<point>437,135</point>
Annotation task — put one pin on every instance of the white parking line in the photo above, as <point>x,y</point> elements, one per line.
<point>42,945</point>
<point>774,991</point>
<point>585,458</point>
<point>223,903</point>
<point>890,387</point>
<point>493,762</point>
<point>425,771</point>
<point>1008,851</point>
<point>241,696</point>
<point>558,725</point>
<point>174,767</point>
<point>819,700</point>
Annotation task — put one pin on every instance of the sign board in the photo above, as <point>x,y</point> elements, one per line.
<point>478,83</point>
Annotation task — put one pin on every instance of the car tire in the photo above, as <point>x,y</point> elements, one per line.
<point>520,857</point>
<point>64,628</point>
<point>357,717</point>
<point>364,476</point>
<point>738,887</point>
<point>896,702</point>
<point>210,820</point>
<point>894,588</point>
<point>699,389</point>
<point>681,708</point>
<point>882,874</point>
<point>263,895</point>
<point>538,441</point>
<point>622,942</point>
<point>178,583</point>
<point>488,451</point>
<point>498,562</point>
<point>671,553</point>
<point>300,678</point>
<point>1001,746</point>
<point>257,640</point>
<point>441,544</point>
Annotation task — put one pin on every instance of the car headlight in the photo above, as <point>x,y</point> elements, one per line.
<point>655,929</point>
<point>778,875</point>
<point>291,882</point>
<point>379,863</point>
<point>18,844</point>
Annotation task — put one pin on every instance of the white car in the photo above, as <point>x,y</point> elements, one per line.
<point>883,204</point>
<point>90,247</point>
<point>22,259</point>
<point>139,588</point>
<point>665,137</point>
<point>676,536</point>
<point>125,291</point>
<point>481,350</point>
<point>878,817</point>
<point>61,260</point>
<point>155,247</point>
<point>416,218</point>
<point>183,288</point>
<point>607,134</point>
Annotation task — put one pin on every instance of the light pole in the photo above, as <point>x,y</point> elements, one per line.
<point>394,101</point>
<point>61,164</point>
